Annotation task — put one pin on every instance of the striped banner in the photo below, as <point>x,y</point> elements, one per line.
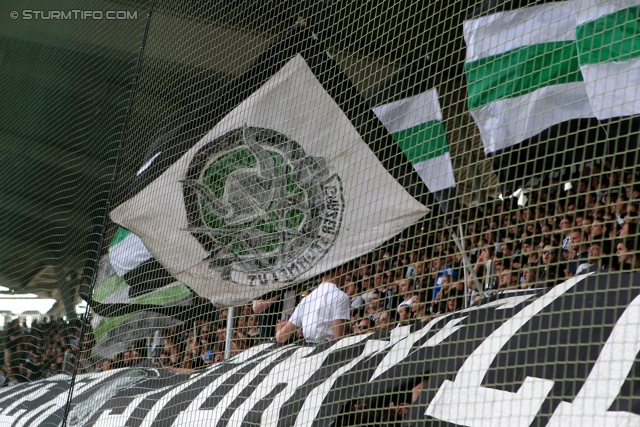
<point>563,356</point>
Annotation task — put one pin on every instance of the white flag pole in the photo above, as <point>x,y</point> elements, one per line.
<point>227,346</point>
<point>466,286</point>
<point>465,260</point>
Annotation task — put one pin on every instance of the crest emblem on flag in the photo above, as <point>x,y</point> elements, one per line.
<point>262,207</point>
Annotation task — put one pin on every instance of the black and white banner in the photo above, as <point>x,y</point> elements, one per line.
<point>566,356</point>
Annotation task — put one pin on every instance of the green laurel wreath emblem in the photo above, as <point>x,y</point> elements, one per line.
<point>262,208</point>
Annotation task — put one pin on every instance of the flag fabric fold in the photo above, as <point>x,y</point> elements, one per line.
<point>273,180</point>
<point>133,297</point>
<point>132,261</point>
<point>126,252</point>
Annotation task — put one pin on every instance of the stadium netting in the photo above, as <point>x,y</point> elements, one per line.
<point>320,213</point>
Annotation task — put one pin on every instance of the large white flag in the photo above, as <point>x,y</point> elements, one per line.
<point>284,186</point>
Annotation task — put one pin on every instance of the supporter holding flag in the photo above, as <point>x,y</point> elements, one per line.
<point>269,309</point>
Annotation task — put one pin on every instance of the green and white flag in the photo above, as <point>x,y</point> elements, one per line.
<point>522,73</point>
<point>416,125</point>
<point>608,43</point>
<point>273,181</point>
<point>125,324</point>
<point>126,252</point>
<point>132,296</point>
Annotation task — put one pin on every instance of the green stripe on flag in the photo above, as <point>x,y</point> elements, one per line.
<point>164,296</point>
<point>521,71</point>
<point>422,142</point>
<point>161,297</point>
<point>613,37</point>
<point>109,286</point>
<point>121,234</point>
<point>109,323</point>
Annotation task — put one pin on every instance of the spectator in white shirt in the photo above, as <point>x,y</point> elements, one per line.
<point>406,292</point>
<point>565,227</point>
<point>352,289</point>
<point>404,315</point>
<point>323,315</point>
<point>374,306</point>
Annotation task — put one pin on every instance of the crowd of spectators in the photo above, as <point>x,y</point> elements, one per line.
<point>562,231</point>
<point>46,348</point>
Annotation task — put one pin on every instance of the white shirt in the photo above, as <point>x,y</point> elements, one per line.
<point>405,302</point>
<point>411,272</point>
<point>581,268</point>
<point>357,302</point>
<point>315,313</point>
<point>367,296</point>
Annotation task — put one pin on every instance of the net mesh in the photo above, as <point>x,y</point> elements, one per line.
<point>330,213</point>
